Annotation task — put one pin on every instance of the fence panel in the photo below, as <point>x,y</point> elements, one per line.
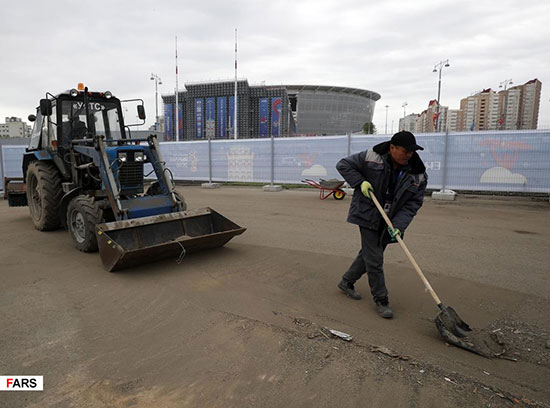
<point>515,161</point>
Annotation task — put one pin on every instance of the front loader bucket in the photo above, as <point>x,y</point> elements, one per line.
<point>123,244</point>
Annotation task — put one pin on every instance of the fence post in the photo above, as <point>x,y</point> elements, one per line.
<point>445,156</point>
<point>349,143</point>
<point>210,184</point>
<point>271,187</point>
<point>272,159</point>
<point>444,194</point>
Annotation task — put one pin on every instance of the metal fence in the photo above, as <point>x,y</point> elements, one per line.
<point>514,161</point>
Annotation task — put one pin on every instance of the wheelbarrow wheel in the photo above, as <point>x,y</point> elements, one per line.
<point>338,194</point>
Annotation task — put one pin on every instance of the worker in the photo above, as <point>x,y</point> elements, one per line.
<point>395,174</point>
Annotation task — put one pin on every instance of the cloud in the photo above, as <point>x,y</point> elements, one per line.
<point>388,47</point>
<point>500,175</point>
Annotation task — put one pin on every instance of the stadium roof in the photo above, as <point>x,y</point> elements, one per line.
<point>340,89</point>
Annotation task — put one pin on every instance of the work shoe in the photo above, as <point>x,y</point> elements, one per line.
<point>383,308</point>
<point>349,289</point>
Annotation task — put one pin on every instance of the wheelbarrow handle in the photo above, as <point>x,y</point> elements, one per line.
<point>407,252</point>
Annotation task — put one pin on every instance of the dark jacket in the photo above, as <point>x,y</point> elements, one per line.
<point>373,166</point>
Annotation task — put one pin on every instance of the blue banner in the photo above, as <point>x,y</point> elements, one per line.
<point>231,117</point>
<point>168,121</point>
<point>210,119</point>
<point>222,118</point>
<point>264,112</point>
<point>198,118</point>
<point>276,108</point>
<point>180,121</point>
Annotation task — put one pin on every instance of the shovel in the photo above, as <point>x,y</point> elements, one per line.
<point>451,327</point>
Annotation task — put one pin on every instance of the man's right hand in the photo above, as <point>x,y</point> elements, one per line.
<point>366,188</point>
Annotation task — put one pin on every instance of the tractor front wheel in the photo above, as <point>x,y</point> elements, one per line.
<point>83,214</point>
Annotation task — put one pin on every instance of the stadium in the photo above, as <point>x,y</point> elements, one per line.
<point>207,110</point>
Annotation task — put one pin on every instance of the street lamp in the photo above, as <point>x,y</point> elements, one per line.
<point>439,67</point>
<point>158,82</point>
<point>386,131</point>
<point>404,105</point>
<point>504,84</point>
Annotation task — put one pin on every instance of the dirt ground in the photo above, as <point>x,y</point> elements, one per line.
<point>248,324</point>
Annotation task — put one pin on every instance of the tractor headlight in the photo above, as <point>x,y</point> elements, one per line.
<point>108,94</point>
<point>73,92</point>
<point>123,156</point>
<point>138,156</point>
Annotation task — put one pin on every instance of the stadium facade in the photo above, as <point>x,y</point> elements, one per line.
<point>206,110</point>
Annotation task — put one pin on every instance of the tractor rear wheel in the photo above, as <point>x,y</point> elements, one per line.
<point>43,195</point>
<point>83,214</point>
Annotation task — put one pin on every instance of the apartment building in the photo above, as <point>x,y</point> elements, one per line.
<point>409,122</point>
<point>14,127</point>
<point>510,109</point>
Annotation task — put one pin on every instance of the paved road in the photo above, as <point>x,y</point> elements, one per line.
<point>244,325</point>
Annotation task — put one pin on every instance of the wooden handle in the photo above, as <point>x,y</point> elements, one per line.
<point>406,250</point>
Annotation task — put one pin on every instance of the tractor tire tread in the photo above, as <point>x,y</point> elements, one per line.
<point>48,176</point>
<point>93,215</point>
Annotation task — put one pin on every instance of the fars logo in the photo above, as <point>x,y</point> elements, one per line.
<point>21,383</point>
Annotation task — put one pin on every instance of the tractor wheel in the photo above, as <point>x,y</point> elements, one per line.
<point>83,214</point>
<point>338,195</point>
<point>44,195</point>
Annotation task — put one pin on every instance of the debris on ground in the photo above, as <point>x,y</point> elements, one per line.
<point>342,335</point>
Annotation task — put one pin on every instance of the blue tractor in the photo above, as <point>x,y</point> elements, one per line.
<point>84,172</point>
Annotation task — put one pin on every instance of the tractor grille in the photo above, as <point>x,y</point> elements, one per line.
<point>131,174</point>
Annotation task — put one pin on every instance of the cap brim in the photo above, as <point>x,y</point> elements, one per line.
<point>413,147</point>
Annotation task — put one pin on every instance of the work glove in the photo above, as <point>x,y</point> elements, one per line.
<point>394,232</point>
<point>366,189</point>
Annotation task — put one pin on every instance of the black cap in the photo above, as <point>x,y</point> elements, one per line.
<point>406,140</point>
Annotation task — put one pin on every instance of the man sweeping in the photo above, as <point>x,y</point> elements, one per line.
<point>396,175</point>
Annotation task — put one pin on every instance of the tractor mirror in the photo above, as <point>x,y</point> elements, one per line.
<point>141,112</point>
<point>45,107</point>
<point>32,118</point>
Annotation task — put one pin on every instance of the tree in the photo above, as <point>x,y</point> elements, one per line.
<point>369,128</point>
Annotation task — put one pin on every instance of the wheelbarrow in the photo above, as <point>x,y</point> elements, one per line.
<point>328,188</point>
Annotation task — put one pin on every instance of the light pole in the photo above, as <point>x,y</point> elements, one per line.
<point>504,84</point>
<point>158,82</point>
<point>404,105</point>
<point>386,131</point>
<point>439,67</point>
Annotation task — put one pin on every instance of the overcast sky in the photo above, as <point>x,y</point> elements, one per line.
<point>389,47</point>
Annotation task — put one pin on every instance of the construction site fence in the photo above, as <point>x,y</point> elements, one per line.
<point>503,161</point>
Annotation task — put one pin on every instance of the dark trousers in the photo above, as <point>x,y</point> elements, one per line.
<point>370,260</point>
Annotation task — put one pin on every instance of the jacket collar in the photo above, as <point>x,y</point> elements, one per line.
<point>417,166</point>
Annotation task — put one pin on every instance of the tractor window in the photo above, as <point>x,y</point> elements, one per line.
<point>52,130</point>
<point>107,123</point>
<point>103,119</point>
<point>45,137</point>
<point>36,129</point>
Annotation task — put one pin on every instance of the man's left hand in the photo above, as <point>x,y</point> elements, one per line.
<point>394,232</point>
